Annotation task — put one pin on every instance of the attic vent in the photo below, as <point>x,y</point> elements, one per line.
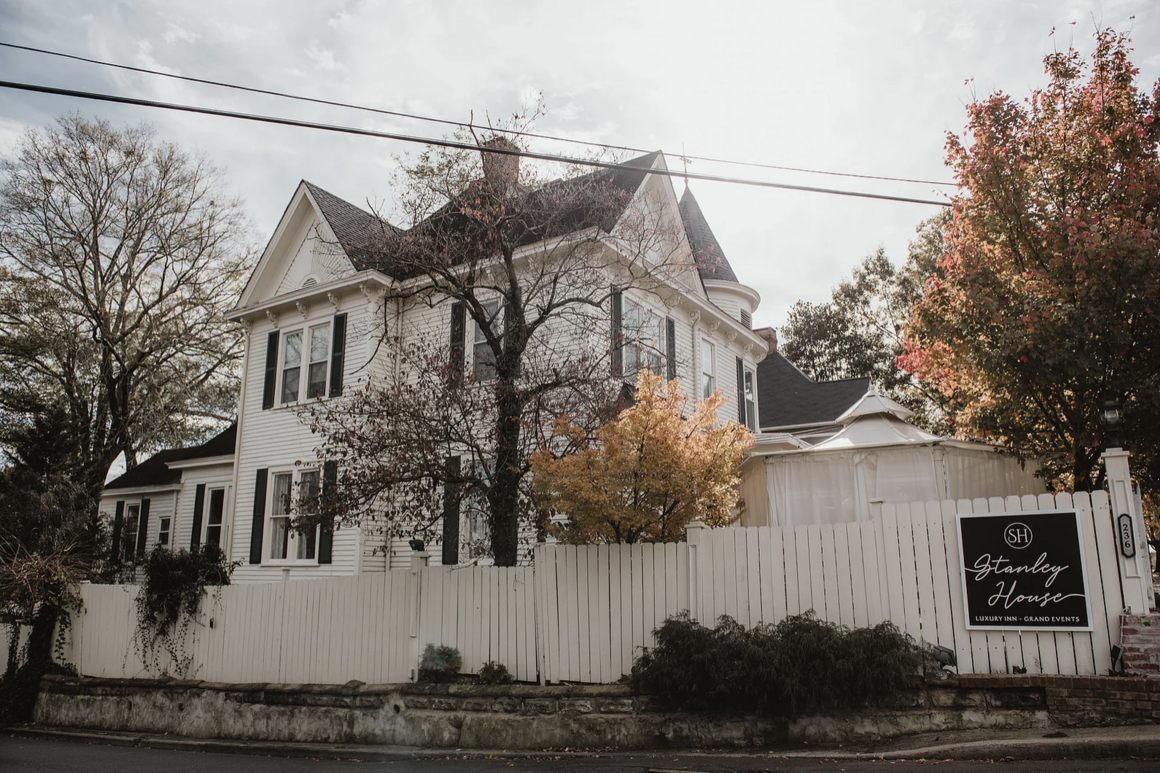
<point>746,319</point>
<point>309,281</point>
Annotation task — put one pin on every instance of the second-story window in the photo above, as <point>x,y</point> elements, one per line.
<point>644,340</point>
<point>708,369</point>
<point>750,402</point>
<point>319,355</point>
<point>291,367</point>
<point>481,353</point>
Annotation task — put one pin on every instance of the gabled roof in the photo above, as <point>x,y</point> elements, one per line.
<point>789,398</point>
<point>355,228</point>
<point>154,471</point>
<point>707,252</point>
<point>358,230</point>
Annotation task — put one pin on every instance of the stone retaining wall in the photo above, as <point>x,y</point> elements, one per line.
<point>576,716</point>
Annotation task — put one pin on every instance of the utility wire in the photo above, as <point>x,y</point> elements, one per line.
<point>441,142</point>
<point>458,124</point>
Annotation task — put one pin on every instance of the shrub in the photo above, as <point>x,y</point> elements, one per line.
<point>494,672</point>
<point>173,584</point>
<point>802,664</point>
<point>439,664</point>
<point>171,590</point>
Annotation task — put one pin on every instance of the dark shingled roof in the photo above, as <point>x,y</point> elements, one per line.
<point>710,258</point>
<point>155,472</point>
<point>789,398</point>
<point>355,228</point>
<point>358,231</point>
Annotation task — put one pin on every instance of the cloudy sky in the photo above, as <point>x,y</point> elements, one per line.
<point>862,87</point>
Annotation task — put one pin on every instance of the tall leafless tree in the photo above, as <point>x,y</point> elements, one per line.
<point>118,255</point>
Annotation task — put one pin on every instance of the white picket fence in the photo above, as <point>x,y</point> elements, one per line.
<point>582,613</point>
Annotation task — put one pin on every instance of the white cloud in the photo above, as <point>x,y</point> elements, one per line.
<point>175,33</point>
<point>323,59</point>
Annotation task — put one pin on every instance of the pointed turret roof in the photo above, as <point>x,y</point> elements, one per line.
<point>707,252</point>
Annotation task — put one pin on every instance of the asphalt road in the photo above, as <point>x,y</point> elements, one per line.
<point>26,755</point>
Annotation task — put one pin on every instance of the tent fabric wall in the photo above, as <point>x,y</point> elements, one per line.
<point>839,487</point>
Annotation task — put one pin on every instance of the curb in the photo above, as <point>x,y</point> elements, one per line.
<point>1141,741</point>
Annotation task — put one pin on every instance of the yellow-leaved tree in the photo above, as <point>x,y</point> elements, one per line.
<point>650,471</point>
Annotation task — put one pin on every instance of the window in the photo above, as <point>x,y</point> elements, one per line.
<point>280,516</point>
<point>308,492</point>
<point>750,402</point>
<point>163,532</point>
<point>708,369</point>
<point>129,531</point>
<point>291,367</point>
<point>285,543</point>
<point>643,339</point>
<point>213,525</point>
<point>482,354</point>
<point>319,354</point>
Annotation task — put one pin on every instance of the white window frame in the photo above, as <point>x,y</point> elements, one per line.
<point>306,336</point>
<point>294,541</point>
<point>206,525</point>
<point>749,391</point>
<point>640,349</point>
<point>708,379</point>
<point>495,309</point>
<point>165,527</point>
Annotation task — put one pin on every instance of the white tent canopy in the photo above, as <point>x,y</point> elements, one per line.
<point>876,457</point>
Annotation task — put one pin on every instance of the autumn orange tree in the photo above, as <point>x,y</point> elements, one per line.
<point>1046,301</point>
<point>650,471</point>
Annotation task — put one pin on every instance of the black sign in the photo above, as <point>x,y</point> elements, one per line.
<point>1024,571</point>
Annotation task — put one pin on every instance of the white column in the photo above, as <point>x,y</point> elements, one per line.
<point>1135,572</point>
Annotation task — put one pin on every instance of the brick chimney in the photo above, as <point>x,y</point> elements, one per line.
<point>500,169</point>
<point>770,337</point>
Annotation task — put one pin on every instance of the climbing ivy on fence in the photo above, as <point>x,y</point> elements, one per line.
<point>169,599</point>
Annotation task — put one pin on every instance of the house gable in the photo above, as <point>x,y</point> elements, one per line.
<point>303,251</point>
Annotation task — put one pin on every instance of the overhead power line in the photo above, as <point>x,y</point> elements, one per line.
<point>441,142</point>
<point>458,124</point>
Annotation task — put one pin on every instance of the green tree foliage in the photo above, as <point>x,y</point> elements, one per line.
<point>858,332</point>
<point>1047,300</point>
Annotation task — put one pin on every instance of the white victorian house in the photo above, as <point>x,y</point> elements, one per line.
<point>310,310</point>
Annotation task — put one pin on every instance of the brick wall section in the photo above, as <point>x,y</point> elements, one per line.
<point>1076,700</point>
<point>1140,638</point>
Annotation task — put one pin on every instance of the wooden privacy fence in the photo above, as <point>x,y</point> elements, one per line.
<point>583,613</point>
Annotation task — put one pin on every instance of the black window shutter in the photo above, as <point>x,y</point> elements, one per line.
<point>271,370</point>
<point>451,514</point>
<point>143,527</point>
<point>617,333</point>
<point>326,532</point>
<point>740,391</point>
<point>259,517</point>
<point>118,525</point>
<point>198,506</point>
<point>458,339</point>
<point>337,354</point>
<point>671,347</point>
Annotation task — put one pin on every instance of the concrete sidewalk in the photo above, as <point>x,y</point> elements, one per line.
<point>1073,743</point>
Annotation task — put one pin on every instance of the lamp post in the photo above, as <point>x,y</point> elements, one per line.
<point>1127,519</point>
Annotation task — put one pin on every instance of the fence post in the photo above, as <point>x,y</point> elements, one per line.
<point>1135,571</point>
<point>419,561</point>
<point>693,534</point>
